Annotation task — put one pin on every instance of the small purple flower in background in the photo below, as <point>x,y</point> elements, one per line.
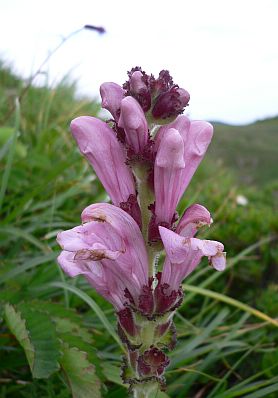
<point>145,157</point>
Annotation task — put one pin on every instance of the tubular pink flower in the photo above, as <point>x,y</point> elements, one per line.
<point>126,227</point>
<point>170,182</point>
<point>184,254</point>
<point>168,174</point>
<point>133,121</point>
<point>109,250</point>
<point>98,143</point>
<point>112,95</point>
<point>194,217</point>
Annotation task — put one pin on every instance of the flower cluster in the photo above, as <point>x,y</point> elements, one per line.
<point>145,157</point>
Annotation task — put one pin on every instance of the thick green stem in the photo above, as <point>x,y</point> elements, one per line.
<point>145,390</point>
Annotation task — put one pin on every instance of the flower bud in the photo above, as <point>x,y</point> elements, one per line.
<point>133,121</point>
<point>170,103</point>
<point>111,95</point>
<point>140,90</point>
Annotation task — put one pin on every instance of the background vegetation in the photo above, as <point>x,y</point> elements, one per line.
<point>57,337</point>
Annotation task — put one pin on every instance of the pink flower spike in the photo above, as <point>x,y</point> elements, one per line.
<point>184,254</point>
<point>194,217</point>
<point>112,95</point>
<point>133,121</point>
<point>98,143</point>
<point>168,174</point>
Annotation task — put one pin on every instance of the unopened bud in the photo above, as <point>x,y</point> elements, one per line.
<point>170,103</point>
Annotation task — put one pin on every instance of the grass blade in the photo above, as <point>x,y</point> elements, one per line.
<point>231,301</point>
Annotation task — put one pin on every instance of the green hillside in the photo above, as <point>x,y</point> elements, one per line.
<point>251,150</point>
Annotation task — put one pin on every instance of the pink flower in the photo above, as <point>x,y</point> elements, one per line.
<point>98,143</point>
<point>133,121</point>
<point>109,250</point>
<point>180,147</point>
<point>185,253</point>
<point>111,95</point>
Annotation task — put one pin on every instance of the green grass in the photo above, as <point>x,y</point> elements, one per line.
<point>227,324</point>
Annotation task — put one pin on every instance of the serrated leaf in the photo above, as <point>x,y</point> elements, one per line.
<point>80,373</point>
<point>74,341</point>
<point>112,373</point>
<point>64,326</point>
<point>55,310</point>
<point>37,335</point>
<point>17,326</point>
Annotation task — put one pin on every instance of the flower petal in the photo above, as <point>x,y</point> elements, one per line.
<point>98,143</point>
<point>133,121</point>
<point>135,259</point>
<point>111,95</point>
<point>184,254</point>
<point>168,171</point>
<point>194,217</point>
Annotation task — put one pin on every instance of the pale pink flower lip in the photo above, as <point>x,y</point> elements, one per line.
<point>184,254</point>
<point>98,143</point>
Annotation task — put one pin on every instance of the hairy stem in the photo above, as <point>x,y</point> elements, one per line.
<point>146,197</point>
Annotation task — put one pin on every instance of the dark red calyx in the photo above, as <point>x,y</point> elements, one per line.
<point>128,295</point>
<point>132,207</point>
<point>154,235</point>
<point>146,300</point>
<point>163,83</point>
<point>152,362</point>
<point>166,299</point>
<point>145,157</point>
<point>126,320</point>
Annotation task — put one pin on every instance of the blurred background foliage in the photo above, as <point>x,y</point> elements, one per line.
<point>57,336</point>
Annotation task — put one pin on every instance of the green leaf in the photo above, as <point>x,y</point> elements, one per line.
<point>66,326</point>
<point>80,373</point>
<point>98,311</point>
<point>56,310</point>
<point>17,326</point>
<point>112,373</point>
<point>37,335</point>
